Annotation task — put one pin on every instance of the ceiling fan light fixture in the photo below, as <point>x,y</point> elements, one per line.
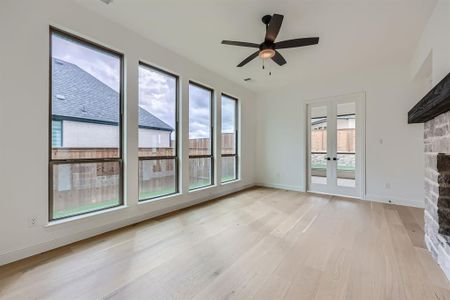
<point>267,53</point>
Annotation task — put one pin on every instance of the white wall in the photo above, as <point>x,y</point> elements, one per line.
<point>24,116</point>
<point>434,45</point>
<point>396,161</point>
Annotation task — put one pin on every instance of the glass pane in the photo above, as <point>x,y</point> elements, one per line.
<point>157,112</point>
<point>318,157</point>
<point>85,187</point>
<point>319,168</point>
<point>346,135</point>
<point>199,120</point>
<point>229,125</point>
<point>56,134</point>
<point>156,178</point>
<point>228,168</point>
<point>199,172</point>
<point>85,100</point>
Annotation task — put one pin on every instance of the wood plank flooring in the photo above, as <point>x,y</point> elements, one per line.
<point>257,244</point>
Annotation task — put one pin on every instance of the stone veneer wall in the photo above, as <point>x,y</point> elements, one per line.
<point>437,189</point>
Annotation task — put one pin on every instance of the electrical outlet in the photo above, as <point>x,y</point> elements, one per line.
<point>387,185</point>
<point>32,221</point>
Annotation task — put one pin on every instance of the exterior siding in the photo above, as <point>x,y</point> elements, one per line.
<point>152,138</point>
<point>107,136</point>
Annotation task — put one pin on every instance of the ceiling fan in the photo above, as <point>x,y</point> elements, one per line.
<point>268,48</point>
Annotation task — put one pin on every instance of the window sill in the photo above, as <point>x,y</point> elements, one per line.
<point>85,216</point>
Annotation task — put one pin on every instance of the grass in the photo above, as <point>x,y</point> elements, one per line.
<point>324,167</point>
<point>105,204</point>
<point>114,202</point>
<point>228,178</point>
<point>199,184</point>
<point>154,194</point>
<point>84,209</point>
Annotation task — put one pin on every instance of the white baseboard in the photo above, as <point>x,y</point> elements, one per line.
<point>282,187</point>
<point>367,197</point>
<point>11,256</point>
<point>395,200</point>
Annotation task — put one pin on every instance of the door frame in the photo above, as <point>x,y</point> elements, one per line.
<point>360,99</point>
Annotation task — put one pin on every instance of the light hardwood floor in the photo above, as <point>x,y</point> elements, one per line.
<point>258,244</point>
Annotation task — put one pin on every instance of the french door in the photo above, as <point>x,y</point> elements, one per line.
<point>335,146</point>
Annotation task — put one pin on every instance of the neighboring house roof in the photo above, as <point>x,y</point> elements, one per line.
<point>79,96</point>
<point>320,120</point>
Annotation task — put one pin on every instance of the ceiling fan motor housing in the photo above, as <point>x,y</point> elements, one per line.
<point>266,19</point>
<point>267,45</point>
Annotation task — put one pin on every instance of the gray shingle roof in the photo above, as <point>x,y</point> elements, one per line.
<point>77,95</point>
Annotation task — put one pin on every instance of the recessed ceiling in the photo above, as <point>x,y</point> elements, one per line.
<point>354,34</point>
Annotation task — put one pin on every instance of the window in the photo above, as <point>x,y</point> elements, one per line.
<point>229,138</point>
<point>201,160</point>
<point>85,159</point>
<point>56,133</point>
<point>158,163</point>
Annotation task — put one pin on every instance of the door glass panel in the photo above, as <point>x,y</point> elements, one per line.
<point>318,159</point>
<point>346,135</point>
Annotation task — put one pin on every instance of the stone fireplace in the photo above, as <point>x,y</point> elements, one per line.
<point>434,111</point>
<point>437,189</point>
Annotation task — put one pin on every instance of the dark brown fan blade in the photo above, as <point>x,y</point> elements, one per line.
<point>274,28</point>
<point>279,59</point>
<point>241,44</point>
<point>297,43</point>
<point>248,59</point>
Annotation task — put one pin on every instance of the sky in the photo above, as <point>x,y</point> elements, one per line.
<point>100,64</point>
<point>157,94</point>
<point>157,91</point>
<point>199,112</point>
<point>228,114</point>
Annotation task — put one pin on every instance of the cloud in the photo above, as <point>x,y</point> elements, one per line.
<point>199,112</point>
<point>228,115</point>
<point>157,94</point>
<point>100,64</point>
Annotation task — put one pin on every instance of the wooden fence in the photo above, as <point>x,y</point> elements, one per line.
<point>345,140</point>
<point>77,186</point>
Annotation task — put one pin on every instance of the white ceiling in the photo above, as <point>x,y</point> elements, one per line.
<point>354,34</point>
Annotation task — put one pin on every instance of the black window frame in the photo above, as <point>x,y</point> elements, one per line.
<point>53,162</point>
<point>175,157</point>
<point>236,138</point>
<point>212,120</point>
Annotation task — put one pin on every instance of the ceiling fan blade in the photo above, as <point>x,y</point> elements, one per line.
<point>278,58</point>
<point>273,28</point>
<point>248,59</point>
<point>241,44</point>
<point>297,43</point>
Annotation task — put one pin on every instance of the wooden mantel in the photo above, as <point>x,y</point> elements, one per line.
<point>436,102</point>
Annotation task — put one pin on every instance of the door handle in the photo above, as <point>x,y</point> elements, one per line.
<point>328,158</point>
<point>334,158</point>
